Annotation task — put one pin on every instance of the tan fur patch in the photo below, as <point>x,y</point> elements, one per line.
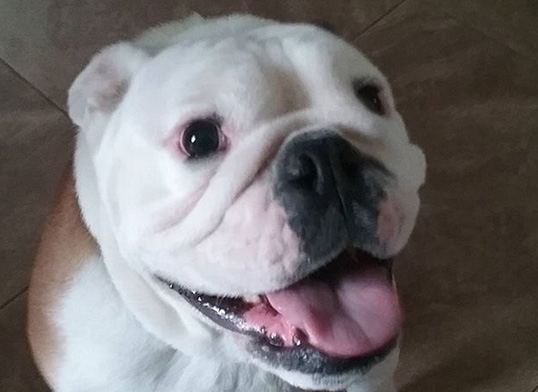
<point>64,246</point>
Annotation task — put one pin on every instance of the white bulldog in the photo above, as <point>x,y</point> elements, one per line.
<point>247,183</point>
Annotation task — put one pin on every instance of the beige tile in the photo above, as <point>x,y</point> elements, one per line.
<point>48,41</point>
<point>35,142</point>
<point>468,280</point>
<point>17,371</point>
<point>514,22</point>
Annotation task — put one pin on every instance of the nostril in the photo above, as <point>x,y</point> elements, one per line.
<point>303,172</point>
<point>349,169</point>
<point>349,165</point>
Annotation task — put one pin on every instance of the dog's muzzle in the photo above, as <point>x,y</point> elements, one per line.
<point>342,313</point>
<point>332,194</point>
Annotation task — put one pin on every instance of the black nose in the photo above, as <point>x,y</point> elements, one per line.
<point>330,191</point>
<point>322,167</point>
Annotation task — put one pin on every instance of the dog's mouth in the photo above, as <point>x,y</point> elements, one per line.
<point>343,316</point>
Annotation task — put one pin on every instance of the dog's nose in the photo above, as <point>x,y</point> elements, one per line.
<point>321,166</point>
<point>330,191</point>
<point>324,167</point>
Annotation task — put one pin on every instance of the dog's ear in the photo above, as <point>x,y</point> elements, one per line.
<point>102,84</point>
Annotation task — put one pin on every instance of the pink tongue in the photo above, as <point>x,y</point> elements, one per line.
<point>356,315</point>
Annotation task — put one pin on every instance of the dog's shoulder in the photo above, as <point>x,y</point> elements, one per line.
<point>65,245</point>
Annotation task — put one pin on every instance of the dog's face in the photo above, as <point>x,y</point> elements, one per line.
<point>258,178</point>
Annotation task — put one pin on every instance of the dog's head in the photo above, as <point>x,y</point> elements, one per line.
<point>249,183</point>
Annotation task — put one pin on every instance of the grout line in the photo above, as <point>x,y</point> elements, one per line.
<point>51,102</point>
<point>535,389</point>
<point>9,301</point>
<point>375,22</point>
<point>493,37</point>
<point>467,24</point>
<point>33,87</point>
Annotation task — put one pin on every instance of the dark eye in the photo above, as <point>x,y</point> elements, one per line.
<point>201,138</point>
<point>369,95</point>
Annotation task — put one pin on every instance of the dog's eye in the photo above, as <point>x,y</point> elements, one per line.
<point>201,138</point>
<point>369,95</point>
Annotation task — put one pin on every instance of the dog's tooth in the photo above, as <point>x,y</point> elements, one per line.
<point>276,340</point>
<point>299,338</point>
<point>253,299</point>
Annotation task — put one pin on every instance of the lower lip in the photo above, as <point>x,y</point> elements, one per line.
<point>308,360</point>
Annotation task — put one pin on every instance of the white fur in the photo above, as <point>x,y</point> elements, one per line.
<point>199,225</point>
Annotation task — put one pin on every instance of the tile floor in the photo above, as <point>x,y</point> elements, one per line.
<point>465,77</point>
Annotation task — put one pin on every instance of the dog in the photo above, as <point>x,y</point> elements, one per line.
<point>241,187</point>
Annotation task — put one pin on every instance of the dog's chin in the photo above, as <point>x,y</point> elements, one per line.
<point>376,376</point>
<point>327,328</point>
<point>313,370</point>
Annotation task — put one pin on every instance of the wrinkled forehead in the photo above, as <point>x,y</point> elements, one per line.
<point>252,77</point>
